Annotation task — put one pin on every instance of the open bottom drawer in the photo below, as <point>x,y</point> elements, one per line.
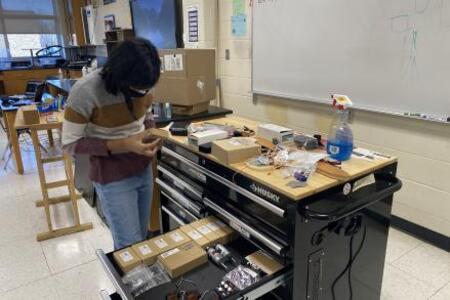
<point>206,277</point>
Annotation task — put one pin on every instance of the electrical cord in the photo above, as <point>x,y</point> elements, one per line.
<point>205,293</point>
<point>349,265</point>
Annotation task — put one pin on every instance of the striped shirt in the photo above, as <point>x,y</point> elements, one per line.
<point>92,117</point>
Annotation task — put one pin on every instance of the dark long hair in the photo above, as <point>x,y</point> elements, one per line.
<point>132,63</point>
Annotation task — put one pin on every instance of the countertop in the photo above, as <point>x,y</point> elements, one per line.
<point>274,179</point>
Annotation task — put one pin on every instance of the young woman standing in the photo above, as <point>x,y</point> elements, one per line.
<point>106,117</point>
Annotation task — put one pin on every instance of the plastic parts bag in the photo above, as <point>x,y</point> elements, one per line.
<point>143,278</point>
<point>242,277</point>
<point>301,165</point>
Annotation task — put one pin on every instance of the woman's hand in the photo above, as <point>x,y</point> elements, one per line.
<point>135,144</point>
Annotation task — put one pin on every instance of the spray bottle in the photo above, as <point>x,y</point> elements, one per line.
<point>340,139</point>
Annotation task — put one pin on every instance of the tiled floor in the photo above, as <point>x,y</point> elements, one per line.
<point>66,267</point>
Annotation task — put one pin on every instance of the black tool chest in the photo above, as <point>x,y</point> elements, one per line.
<point>332,244</point>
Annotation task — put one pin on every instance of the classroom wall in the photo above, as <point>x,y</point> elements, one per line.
<point>121,11</point>
<point>423,148</point>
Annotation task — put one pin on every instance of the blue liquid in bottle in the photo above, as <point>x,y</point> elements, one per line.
<point>340,140</point>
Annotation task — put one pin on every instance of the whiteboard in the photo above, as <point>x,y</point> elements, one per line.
<point>386,55</point>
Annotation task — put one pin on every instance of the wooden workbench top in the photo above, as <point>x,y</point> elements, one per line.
<point>19,122</point>
<point>355,167</point>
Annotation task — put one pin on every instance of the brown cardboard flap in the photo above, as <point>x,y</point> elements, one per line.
<point>264,262</point>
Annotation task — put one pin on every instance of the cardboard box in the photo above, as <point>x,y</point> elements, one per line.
<point>196,236</point>
<point>228,233</point>
<point>161,243</point>
<point>170,240</point>
<point>177,238</point>
<point>264,262</point>
<point>127,259</point>
<point>183,259</point>
<point>214,230</point>
<point>147,252</point>
<point>30,114</point>
<point>203,137</point>
<point>272,131</point>
<point>190,109</point>
<point>235,150</point>
<point>188,76</point>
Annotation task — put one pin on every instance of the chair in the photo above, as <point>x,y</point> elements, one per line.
<point>8,148</point>
<point>37,89</point>
<point>8,145</point>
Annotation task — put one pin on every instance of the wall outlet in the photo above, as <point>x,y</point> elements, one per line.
<point>227,54</point>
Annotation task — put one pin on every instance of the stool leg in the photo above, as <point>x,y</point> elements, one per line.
<point>50,138</point>
<point>72,192</point>
<point>42,180</point>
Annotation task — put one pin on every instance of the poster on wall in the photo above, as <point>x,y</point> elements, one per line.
<point>239,25</point>
<point>110,22</point>
<point>193,24</point>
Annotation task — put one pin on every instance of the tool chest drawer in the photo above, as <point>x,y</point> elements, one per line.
<point>249,227</point>
<point>264,204</point>
<point>208,277</point>
<point>181,182</point>
<point>172,192</point>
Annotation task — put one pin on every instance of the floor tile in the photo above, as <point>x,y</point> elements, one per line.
<point>16,274</point>
<point>44,289</point>
<point>83,282</point>
<point>398,285</point>
<point>26,250</point>
<point>99,238</point>
<point>426,263</point>
<point>18,220</point>
<point>67,252</point>
<point>442,294</point>
<point>399,243</point>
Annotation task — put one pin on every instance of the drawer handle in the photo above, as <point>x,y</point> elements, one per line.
<point>173,216</point>
<point>354,203</point>
<point>261,237</point>
<point>180,198</point>
<point>180,182</point>
<point>273,208</point>
<point>178,205</point>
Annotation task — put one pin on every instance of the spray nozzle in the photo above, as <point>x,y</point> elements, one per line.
<point>341,102</point>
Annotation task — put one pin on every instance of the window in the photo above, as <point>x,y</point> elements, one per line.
<point>25,25</point>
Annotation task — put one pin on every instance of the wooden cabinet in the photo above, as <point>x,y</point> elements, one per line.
<point>75,74</point>
<point>15,81</point>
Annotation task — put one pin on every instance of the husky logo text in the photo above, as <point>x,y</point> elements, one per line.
<point>265,193</point>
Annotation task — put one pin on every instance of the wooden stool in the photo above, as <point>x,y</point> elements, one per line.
<point>47,201</point>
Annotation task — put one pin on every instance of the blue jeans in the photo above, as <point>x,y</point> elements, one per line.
<point>126,206</point>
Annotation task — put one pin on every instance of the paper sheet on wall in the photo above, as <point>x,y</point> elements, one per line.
<point>193,24</point>
<point>239,25</point>
<point>238,7</point>
<point>173,62</point>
